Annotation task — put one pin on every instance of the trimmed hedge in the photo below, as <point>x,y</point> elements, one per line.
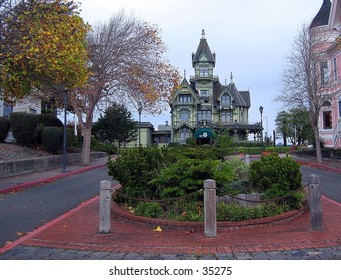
<point>52,138</point>
<point>23,127</point>
<point>4,128</point>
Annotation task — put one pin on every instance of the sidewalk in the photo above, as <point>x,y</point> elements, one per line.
<point>75,236</point>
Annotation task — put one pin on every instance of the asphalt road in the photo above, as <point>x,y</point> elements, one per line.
<point>24,211</point>
<point>330,182</point>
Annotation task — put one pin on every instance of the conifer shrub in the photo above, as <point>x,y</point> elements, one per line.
<point>23,127</point>
<point>52,138</point>
<point>275,176</point>
<point>4,128</point>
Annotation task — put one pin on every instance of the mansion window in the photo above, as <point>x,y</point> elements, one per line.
<point>327,120</point>
<point>203,72</point>
<point>335,69</point>
<point>185,98</point>
<point>203,92</point>
<point>226,99</point>
<point>324,73</point>
<point>184,134</point>
<point>184,115</point>
<point>204,115</point>
<point>226,116</point>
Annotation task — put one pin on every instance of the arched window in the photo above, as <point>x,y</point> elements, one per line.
<point>184,115</point>
<point>225,99</point>
<point>327,104</point>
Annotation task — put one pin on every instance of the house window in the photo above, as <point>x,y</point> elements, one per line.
<point>335,69</point>
<point>324,73</point>
<point>185,98</point>
<point>226,99</point>
<point>204,116</point>
<point>327,120</point>
<point>7,110</point>
<point>203,72</point>
<point>204,92</point>
<point>226,116</point>
<point>184,134</point>
<point>184,115</point>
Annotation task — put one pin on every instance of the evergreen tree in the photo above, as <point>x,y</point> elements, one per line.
<point>116,125</point>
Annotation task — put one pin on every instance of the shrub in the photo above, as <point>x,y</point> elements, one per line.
<point>49,120</point>
<point>23,127</point>
<point>275,176</point>
<point>52,138</point>
<point>134,168</point>
<point>96,145</point>
<point>46,120</point>
<point>183,177</point>
<point>148,209</point>
<point>234,212</point>
<point>4,128</point>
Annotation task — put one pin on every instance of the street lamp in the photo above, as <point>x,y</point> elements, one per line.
<point>166,133</point>
<point>261,123</point>
<point>139,109</point>
<point>64,134</point>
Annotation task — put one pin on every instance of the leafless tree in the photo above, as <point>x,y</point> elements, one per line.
<point>303,84</point>
<point>127,66</point>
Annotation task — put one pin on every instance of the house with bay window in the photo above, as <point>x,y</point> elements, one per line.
<point>326,27</point>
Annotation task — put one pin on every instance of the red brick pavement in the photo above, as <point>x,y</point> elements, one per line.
<point>79,230</point>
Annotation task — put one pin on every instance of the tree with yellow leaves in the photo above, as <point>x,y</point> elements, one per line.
<point>42,46</point>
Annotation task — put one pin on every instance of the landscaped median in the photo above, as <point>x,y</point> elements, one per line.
<point>119,212</point>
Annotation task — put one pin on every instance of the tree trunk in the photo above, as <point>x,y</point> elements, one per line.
<point>85,158</point>
<point>318,144</point>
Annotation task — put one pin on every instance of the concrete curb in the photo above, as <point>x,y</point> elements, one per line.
<point>318,166</point>
<point>49,179</point>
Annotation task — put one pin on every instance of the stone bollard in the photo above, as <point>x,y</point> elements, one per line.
<point>315,205</point>
<point>210,210</point>
<point>104,206</point>
<point>247,159</point>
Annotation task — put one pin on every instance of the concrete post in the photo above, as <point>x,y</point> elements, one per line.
<point>210,210</point>
<point>104,206</point>
<point>247,159</point>
<point>315,205</point>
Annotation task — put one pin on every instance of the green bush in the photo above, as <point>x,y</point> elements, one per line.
<point>52,138</point>
<point>49,120</point>
<point>98,146</point>
<point>275,176</point>
<point>234,212</point>
<point>135,167</point>
<point>148,209</point>
<point>23,127</point>
<point>45,120</point>
<point>183,177</point>
<point>4,128</point>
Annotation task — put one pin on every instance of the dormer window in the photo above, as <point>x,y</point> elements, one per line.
<point>185,98</point>
<point>225,99</point>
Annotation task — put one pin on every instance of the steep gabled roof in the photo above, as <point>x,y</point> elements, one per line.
<point>203,48</point>
<point>185,85</point>
<point>322,17</point>
<point>240,98</point>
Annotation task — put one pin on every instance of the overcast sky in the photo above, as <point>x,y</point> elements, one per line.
<point>251,39</point>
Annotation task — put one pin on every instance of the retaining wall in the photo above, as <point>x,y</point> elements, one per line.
<point>16,167</point>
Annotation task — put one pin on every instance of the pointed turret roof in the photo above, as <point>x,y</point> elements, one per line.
<point>322,17</point>
<point>203,48</point>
